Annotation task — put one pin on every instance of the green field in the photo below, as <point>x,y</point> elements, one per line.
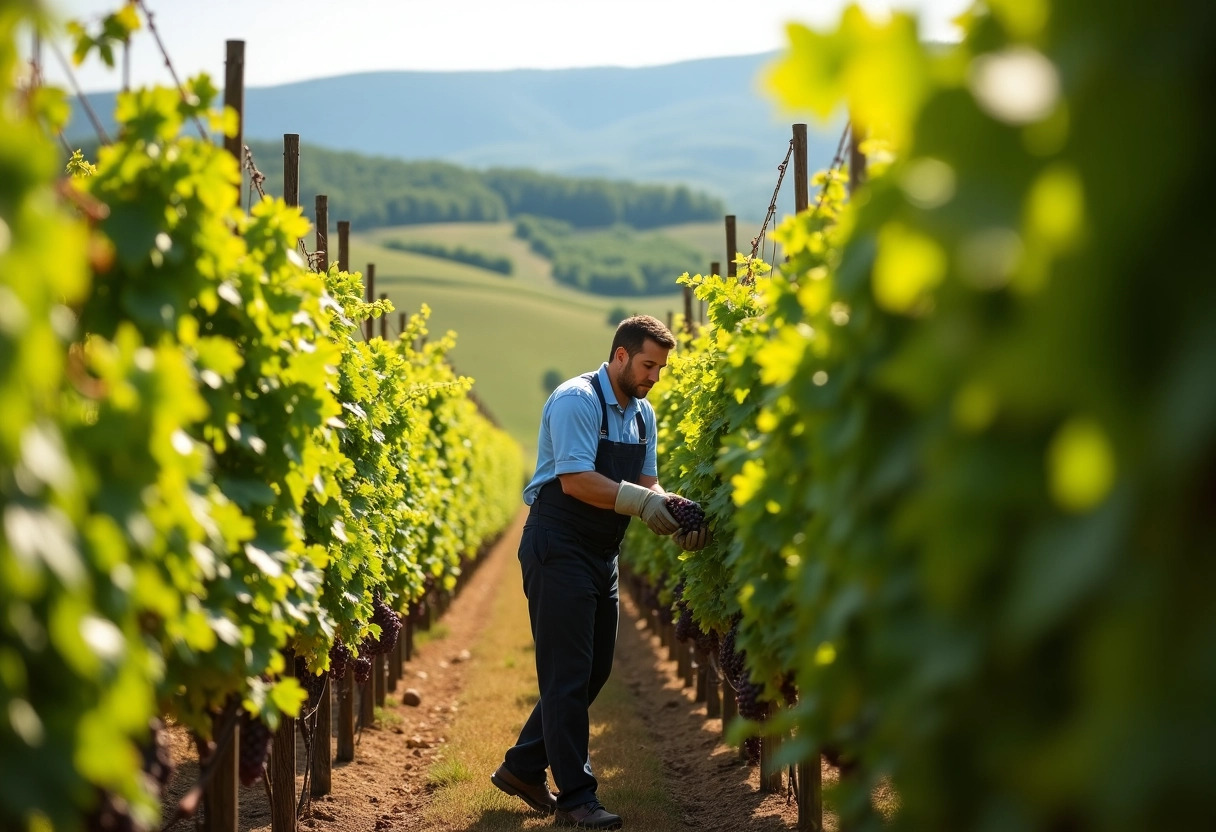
<point>511,330</point>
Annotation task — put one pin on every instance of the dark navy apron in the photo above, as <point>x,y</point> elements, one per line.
<point>568,554</point>
<point>600,530</point>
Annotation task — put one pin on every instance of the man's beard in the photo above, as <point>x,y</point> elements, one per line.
<point>628,383</point>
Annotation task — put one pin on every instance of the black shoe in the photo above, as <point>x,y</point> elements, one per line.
<point>591,815</point>
<point>537,796</point>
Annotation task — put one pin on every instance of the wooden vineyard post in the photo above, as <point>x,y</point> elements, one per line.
<point>713,691</point>
<point>344,245</point>
<point>321,766</point>
<point>322,233</point>
<point>771,779</point>
<point>810,796</point>
<point>370,324</point>
<point>802,180</point>
<point>291,169</point>
<point>283,766</point>
<point>384,319</point>
<point>408,635</point>
<point>700,678</point>
<point>810,785</point>
<point>857,159</point>
<point>400,323</point>
<point>367,700</point>
<point>379,671</point>
<point>732,247</point>
<point>689,654</point>
<point>730,707</point>
<point>345,689</point>
<point>395,660</point>
<point>221,795</point>
<point>688,321</point>
<point>683,661</point>
<point>283,752</point>
<point>234,95</point>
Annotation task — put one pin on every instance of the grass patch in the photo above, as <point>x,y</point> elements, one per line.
<point>384,718</point>
<point>438,632</point>
<point>501,693</point>
<point>448,773</point>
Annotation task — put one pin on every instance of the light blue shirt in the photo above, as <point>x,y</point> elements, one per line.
<point>570,430</point>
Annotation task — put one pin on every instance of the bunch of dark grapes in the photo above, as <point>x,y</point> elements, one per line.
<point>707,643</point>
<point>729,659</point>
<point>687,513</point>
<point>747,696</point>
<point>685,629</point>
<point>339,659</point>
<point>390,625</point>
<point>313,683</point>
<point>255,748</point>
<point>363,670</point>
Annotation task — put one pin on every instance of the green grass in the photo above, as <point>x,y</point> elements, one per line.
<point>510,330</point>
<point>438,632</point>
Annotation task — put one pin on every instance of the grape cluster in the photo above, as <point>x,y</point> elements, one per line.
<point>339,660</point>
<point>255,748</point>
<point>707,642</point>
<point>363,670</point>
<point>313,683</point>
<point>747,696</point>
<point>386,618</point>
<point>730,660</point>
<point>687,513</point>
<point>685,628</point>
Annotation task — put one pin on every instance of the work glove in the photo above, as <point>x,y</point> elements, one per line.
<point>634,500</point>
<point>694,540</point>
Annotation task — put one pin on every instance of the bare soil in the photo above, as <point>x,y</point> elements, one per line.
<point>385,788</point>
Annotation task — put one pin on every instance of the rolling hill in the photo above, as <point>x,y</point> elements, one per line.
<point>706,123</point>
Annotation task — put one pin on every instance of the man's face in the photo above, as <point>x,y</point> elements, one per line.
<point>642,370</point>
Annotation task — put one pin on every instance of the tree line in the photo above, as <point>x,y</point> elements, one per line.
<point>375,192</point>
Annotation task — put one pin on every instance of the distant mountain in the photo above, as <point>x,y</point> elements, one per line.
<point>704,123</point>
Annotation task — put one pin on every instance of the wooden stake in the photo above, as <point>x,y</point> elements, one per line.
<point>344,245</point>
<point>220,797</point>
<point>802,181</point>
<point>771,774</point>
<point>713,698</point>
<point>384,319</point>
<point>291,169</point>
<point>346,717</point>
<point>322,233</point>
<point>857,159</point>
<point>283,766</point>
<point>370,324</point>
<point>688,321</point>
<point>234,95</point>
<point>810,796</point>
<point>322,748</point>
<point>732,247</point>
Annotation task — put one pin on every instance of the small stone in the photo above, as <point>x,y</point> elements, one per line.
<point>462,656</point>
<point>421,674</point>
<point>411,697</point>
<point>417,742</point>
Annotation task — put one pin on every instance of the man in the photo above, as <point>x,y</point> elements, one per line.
<point>595,469</point>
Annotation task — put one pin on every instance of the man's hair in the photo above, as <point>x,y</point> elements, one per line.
<point>632,333</point>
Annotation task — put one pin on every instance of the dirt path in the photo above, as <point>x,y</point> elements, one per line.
<point>385,788</point>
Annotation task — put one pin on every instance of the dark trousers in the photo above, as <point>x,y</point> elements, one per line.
<point>573,603</point>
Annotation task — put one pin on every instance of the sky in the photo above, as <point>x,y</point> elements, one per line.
<point>294,40</point>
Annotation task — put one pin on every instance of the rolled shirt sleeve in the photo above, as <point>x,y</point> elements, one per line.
<point>574,427</point>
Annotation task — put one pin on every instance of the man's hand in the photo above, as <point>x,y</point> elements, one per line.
<point>637,501</point>
<point>694,540</point>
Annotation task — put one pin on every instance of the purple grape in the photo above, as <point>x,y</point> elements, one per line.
<point>687,513</point>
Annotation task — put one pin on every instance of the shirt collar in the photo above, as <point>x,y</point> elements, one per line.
<point>609,395</point>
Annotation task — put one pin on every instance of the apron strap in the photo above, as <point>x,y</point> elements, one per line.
<point>594,378</point>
